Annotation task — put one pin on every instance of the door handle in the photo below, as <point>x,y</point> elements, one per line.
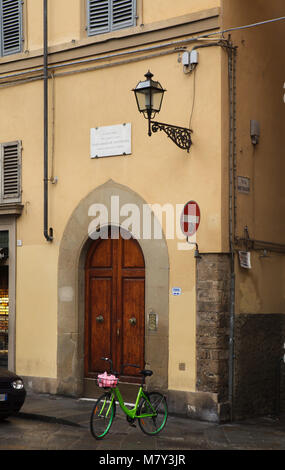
<point>99,319</point>
<point>133,321</point>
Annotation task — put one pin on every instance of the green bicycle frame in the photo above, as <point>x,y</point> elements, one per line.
<point>132,413</point>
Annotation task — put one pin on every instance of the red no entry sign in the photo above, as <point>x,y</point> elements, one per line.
<point>190,218</point>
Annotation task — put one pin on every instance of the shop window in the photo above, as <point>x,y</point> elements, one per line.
<point>11,26</point>
<point>10,171</point>
<point>4,301</point>
<point>104,16</point>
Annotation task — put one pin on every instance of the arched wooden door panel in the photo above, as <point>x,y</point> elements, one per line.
<point>114,306</point>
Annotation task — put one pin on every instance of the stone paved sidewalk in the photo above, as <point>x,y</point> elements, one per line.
<point>266,433</point>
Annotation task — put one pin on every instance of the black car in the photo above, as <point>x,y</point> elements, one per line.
<point>12,393</point>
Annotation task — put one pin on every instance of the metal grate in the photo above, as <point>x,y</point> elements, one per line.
<point>5,385</point>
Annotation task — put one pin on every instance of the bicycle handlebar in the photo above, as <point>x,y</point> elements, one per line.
<point>111,363</point>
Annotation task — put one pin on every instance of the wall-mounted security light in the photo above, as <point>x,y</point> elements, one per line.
<point>149,95</point>
<point>254,131</point>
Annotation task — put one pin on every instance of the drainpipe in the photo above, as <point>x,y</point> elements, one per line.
<point>232,204</point>
<point>232,218</point>
<point>48,234</point>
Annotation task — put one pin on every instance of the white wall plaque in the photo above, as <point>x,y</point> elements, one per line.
<point>110,141</point>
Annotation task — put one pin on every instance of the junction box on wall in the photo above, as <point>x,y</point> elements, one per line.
<point>190,60</point>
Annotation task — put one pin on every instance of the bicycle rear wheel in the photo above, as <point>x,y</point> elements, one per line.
<point>156,403</point>
<point>102,416</point>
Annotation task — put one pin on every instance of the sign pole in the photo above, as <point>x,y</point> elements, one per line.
<point>196,252</point>
<point>190,221</point>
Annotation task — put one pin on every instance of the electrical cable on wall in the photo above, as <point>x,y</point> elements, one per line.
<point>194,95</point>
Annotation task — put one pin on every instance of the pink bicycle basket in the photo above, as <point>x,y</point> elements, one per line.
<point>105,380</point>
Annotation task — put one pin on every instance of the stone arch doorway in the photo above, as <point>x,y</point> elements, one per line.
<point>114,307</point>
<point>73,250</point>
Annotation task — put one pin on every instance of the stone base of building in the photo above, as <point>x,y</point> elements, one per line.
<point>40,384</point>
<point>257,392</point>
<point>212,337</point>
<point>194,405</point>
<point>202,406</point>
<point>54,386</point>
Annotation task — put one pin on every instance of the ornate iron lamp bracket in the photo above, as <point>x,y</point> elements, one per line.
<point>181,136</point>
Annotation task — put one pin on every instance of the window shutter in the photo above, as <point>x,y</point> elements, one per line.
<point>11,172</point>
<point>11,26</point>
<point>109,15</point>
<point>98,16</point>
<point>123,14</point>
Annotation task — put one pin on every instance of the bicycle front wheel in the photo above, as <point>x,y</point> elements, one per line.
<point>102,416</point>
<point>155,406</point>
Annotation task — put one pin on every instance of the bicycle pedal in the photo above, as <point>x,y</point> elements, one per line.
<point>133,425</point>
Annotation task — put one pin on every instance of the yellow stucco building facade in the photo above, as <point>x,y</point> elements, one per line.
<point>77,145</point>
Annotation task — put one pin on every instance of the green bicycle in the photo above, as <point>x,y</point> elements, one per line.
<point>150,408</point>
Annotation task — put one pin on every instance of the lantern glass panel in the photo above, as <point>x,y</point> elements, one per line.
<point>143,99</point>
<point>157,96</point>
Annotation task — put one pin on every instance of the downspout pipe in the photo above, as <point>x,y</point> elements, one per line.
<point>47,233</point>
<point>231,50</point>
<point>232,206</point>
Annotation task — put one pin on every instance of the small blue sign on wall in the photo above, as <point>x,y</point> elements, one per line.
<point>176,291</point>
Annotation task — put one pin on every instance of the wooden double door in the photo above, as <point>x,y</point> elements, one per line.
<point>115,305</point>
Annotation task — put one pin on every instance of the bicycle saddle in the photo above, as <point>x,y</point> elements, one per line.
<point>146,373</point>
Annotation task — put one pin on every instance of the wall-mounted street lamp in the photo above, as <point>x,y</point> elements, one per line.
<point>149,96</point>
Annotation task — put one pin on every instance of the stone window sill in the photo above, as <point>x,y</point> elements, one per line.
<point>14,209</point>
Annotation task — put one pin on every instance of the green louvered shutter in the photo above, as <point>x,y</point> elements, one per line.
<point>11,26</point>
<point>108,15</point>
